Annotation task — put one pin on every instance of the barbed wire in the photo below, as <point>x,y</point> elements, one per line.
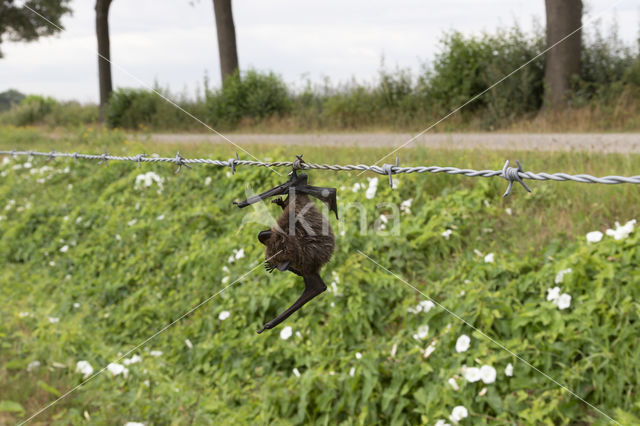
<point>511,174</point>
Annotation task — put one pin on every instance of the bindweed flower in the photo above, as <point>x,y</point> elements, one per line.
<point>161,217</point>
<point>405,206</point>
<point>553,294</point>
<point>429,350</point>
<point>594,237</point>
<point>424,306</point>
<point>508,371</point>
<point>224,315</point>
<point>118,369</point>
<point>564,301</point>
<point>76,305</point>
<point>463,343</point>
<point>188,343</point>
<point>488,258</point>
<point>133,360</point>
<point>286,333</point>
<point>422,332</point>
<point>358,355</point>
<point>84,368</point>
<point>453,384</point>
<point>458,413</point>
<point>147,179</point>
<point>446,234</point>
<point>621,232</point>
<point>560,276</point>
<point>296,372</point>
<point>54,320</point>
<point>373,187</point>
<point>207,181</point>
<point>488,374</point>
<point>472,374</point>
<point>357,187</point>
<point>132,222</point>
<point>352,372</point>
<point>441,423</point>
<point>64,248</point>
<point>508,211</point>
<point>133,424</point>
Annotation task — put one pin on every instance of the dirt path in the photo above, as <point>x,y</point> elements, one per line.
<point>594,142</point>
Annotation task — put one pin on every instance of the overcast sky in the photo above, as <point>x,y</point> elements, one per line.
<point>174,42</point>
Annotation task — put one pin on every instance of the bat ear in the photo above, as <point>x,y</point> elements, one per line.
<point>264,236</point>
<point>283,266</point>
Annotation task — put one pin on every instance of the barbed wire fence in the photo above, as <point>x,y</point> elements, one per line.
<point>511,174</point>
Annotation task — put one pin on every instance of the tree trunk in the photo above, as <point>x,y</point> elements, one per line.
<point>104,54</point>
<point>562,61</point>
<point>226,38</point>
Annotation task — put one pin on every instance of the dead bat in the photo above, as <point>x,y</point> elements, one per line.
<point>302,240</point>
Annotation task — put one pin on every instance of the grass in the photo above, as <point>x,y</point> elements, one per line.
<point>129,287</point>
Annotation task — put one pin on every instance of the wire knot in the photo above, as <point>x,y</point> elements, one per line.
<point>104,159</point>
<point>297,163</point>
<point>75,156</point>
<point>180,162</point>
<point>388,170</point>
<point>51,156</point>
<point>231,162</point>
<point>512,174</point>
<point>139,158</point>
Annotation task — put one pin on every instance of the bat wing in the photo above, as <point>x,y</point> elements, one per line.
<point>313,286</point>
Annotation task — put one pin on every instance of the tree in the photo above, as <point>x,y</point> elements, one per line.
<point>563,60</point>
<point>19,23</point>
<point>226,38</point>
<point>104,54</point>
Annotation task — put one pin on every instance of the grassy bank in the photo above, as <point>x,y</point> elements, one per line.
<point>93,264</point>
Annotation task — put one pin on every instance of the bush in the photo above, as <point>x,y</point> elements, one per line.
<point>130,108</point>
<point>254,96</point>
<point>31,110</point>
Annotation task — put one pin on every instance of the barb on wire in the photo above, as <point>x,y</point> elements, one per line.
<point>511,174</point>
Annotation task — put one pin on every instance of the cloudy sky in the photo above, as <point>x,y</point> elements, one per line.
<point>174,43</point>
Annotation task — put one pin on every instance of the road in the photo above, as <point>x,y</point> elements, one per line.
<point>589,142</point>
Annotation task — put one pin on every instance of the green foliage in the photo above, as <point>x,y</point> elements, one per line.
<point>40,110</point>
<point>10,98</point>
<point>138,258</point>
<point>252,95</point>
<point>18,23</point>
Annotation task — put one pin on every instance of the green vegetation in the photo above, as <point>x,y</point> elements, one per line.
<point>115,262</point>
<point>606,95</point>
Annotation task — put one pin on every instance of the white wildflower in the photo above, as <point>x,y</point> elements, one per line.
<point>560,275</point>
<point>508,371</point>
<point>394,350</point>
<point>76,305</point>
<point>508,211</point>
<point>478,252</point>
<point>23,314</point>
<point>383,218</point>
<point>441,423</point>
<point>84,368</point>
<point>224,315</point>
<point>488,258</point>
<point>225,280</point>
<point>357,186</point>
<point>453,384</point>
<point>483,391</point>
<point>188,343</point>
<point>405,206</point>
<point>239,253</point>
<point>422,333</point>
<point>27,165</point>
<point>54,320</point>
<point>155,353</point>
<point>207,181</point>
<point>594,237</point>
<point>463,343</point>
<point>225,268</point>
<point>117,369</point>
<point>132,222</point>
<point>296,372</point>
<point>161,217</point>
<point>33,365</point>
<point>118,237</point>
<point>147,179</point>
<point>373,187</point>
<point>286,332</point>
<point>135,423</point>
<point>472,374</point>
<point>621,232</point>
<point>358,355</point>
<point>429,350</point>
<point>447,233</point>
<point>133,360</point>
<point>488,374</point>
<point>352,372</point>
<point>564,301</point>
<point>458,414</point>
<point>553,294</point>
<point>79,219</point>
<point>64,248</point>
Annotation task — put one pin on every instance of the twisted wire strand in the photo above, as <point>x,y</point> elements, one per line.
<point>508,173</point>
